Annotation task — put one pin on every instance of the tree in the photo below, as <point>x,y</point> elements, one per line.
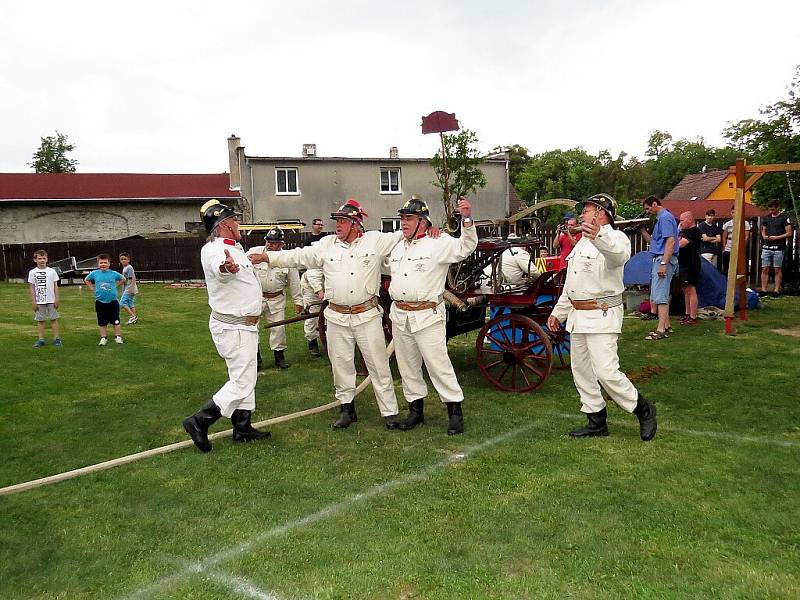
<point>681,159</point>
<point>518,157</point>
<point>463,174</point>
<point>658,143</point>
<point>774,138</point>
<point>51,157</point>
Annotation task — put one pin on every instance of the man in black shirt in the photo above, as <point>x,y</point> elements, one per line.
<point>776,228</point>
<point>316,232</point>
<point>710,236</point>
<point>689,265</point>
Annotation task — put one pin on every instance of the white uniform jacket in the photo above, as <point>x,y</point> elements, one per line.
<point>594,270</point>
<point>312,281</point>
<point>351,271</point>
<point>517,266</point>
<point>275,279</point>
<point>237,294</point>
<point>419,271</point>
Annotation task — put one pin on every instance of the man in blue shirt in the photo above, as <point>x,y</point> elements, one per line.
<point>664,248</point>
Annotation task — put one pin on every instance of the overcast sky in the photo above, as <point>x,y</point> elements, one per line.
<point>157,87</point>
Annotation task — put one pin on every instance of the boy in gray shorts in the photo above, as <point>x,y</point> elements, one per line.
<point>44,297</point>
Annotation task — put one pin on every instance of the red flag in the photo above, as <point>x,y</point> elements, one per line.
<point>439,122</point>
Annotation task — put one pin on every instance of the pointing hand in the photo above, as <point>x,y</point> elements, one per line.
<point>229,266</point>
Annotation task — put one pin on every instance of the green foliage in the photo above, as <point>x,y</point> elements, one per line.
<point>576,174</point>
<point>518,157</point>
<point>682,158</point>
<point>463,174</point>
<point>774,138</point>
<point>557,174</point>
<point>51,157</point>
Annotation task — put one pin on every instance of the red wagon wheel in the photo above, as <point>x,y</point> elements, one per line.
<point>514,353</point>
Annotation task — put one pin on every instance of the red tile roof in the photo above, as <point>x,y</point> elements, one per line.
<point>94,186</point>
<point>697,186</point>
<point>699,208</point>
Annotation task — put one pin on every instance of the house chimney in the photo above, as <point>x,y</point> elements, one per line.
<point>393,153</point>
<point>235,176</point>
<point>309,150</point>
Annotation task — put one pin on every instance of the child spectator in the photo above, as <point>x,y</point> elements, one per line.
<point>44,296</point>
<point>128,300</point>
<point>103,282</point>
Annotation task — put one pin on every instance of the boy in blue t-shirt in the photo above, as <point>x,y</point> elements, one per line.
<point>104,282</point>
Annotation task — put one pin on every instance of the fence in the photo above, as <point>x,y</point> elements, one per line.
<point>161,259</point>
<point>178,258</point>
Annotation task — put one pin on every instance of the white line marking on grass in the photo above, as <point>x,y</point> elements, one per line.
<point>232,552</point>
<point>731,437</point>
<point>240,585</point>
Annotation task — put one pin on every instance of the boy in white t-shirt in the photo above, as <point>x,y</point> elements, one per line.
<point>44,297</point>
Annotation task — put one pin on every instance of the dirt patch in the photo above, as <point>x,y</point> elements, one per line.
<point>795,332</point>
<point>645,373</point>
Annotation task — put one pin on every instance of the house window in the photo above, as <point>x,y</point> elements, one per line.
<point>286,181</point>
<point>390,181</point>
<point>390,224</point>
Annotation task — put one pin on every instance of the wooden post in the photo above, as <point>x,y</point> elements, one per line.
<point>448,209</point>
<point>737,252</point>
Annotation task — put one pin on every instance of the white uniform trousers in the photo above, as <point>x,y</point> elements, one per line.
<point>342,342</point>
<point>595,363</point>
<point>429,345</point>
<point>238,347</point>
<point>274,310</point>
<point>311,303</point>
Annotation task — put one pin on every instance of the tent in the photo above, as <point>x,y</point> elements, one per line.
<point>711,285</point>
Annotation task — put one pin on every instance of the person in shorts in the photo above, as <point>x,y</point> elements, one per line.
<point>128,300</point>
<point>44,297</point>
<point>664,249</point>
<point>104,282</point>
<point>689,265</point>
<point>775,229</point>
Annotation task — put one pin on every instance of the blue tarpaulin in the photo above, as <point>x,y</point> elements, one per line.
<point>711,285</point>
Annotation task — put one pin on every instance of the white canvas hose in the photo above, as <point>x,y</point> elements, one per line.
<point>123,460</point>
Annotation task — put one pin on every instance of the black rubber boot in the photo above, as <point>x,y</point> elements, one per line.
<point>391,422</point>
<point>347,417</point>
<point>415,415</point>
<point>646,413</point>
<point>313,348</point>
<point>455,424</point>
<point>197,425</point>
<point>596,426</point>
<point>243,431</point>
<point>280,361</point>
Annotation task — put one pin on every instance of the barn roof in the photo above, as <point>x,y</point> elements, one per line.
<point>112,186</point>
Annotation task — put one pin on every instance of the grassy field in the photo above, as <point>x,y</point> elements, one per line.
<point>512,509</point>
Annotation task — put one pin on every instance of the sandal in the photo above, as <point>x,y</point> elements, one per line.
<point>656,335</point>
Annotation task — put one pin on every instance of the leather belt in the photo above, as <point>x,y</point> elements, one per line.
<point>415,305</point>
<point>603,303</point>
<point>356,308</point>
<point>271,295</point>
<point>234,320</point>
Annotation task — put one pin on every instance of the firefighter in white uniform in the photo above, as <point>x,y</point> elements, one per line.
<point>312,289</point>
<point>419,268</point>
<point>273,288</point>
<point>517,265</point>
<point>351,262</point>
<point>591,305</point>
<point>234,295</point>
